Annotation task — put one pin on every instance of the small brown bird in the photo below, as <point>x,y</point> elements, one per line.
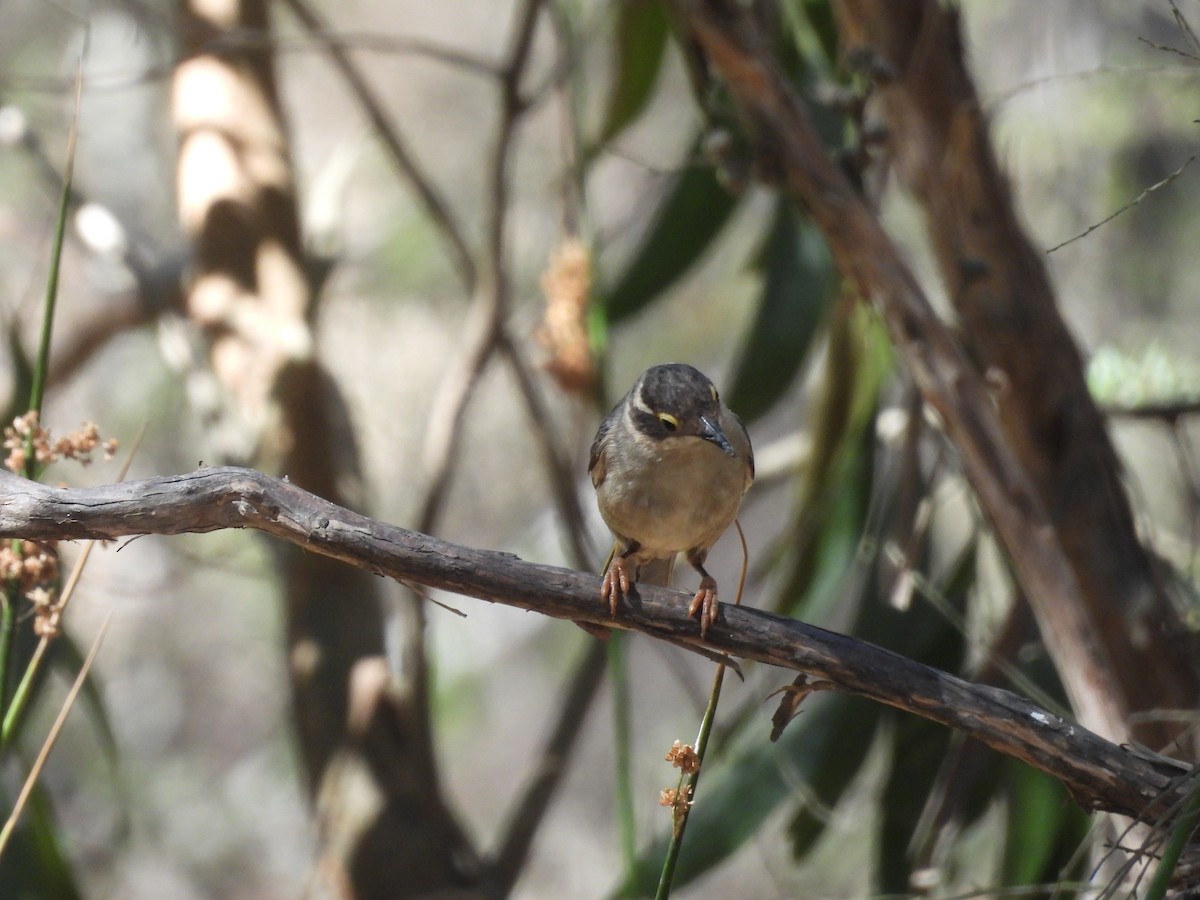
<point>670,465</point>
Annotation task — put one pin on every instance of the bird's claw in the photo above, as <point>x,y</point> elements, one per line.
<point>617,583</point>
<point>706,604</point>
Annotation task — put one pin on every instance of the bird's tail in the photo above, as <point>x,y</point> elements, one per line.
<point>657,572</point>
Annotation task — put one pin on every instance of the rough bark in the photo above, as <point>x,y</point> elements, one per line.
<point>249,294</point>
<point>789,151</point>
<point>937,141</point>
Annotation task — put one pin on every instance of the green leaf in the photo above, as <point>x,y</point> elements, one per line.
<point>1044,827</point>
<point>34,865</point>
<point>798,288</point>
<point>917,747</point>
<point>22,374</point>
<point>691,214</point>
<point>836,487</point>
<point>834,758</point>
<point>639,42</point>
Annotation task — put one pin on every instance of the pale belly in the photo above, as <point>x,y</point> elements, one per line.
<point>672,508</point>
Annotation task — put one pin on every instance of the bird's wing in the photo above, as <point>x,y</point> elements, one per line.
<point>597,466</point>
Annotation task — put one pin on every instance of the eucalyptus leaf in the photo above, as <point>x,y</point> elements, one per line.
<point>639,44</point>
<point>1044,829</point>
<point>692,213</point>
<point>916,746</point>
<point>799,284</point>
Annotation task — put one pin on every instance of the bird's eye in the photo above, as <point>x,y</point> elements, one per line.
<point>669,422</point>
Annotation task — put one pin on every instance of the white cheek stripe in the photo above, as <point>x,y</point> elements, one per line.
<point>636,394</point>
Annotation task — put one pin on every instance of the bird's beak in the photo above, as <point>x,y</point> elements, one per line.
<point>711,431</point>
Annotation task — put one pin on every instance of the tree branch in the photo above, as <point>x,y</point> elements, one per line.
<point>433,203</point>
<point>938,145</point>
<point>790,151</point>
<point>1098,774</point>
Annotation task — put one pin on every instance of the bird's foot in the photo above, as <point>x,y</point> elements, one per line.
<point>617,583</point>
<point>705,603</point>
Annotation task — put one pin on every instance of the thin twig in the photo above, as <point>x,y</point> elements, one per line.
<point>491,306</point>
<point>488,314</point>
<point>996,100</point>
<point>1130,205</point>
<point>361,42</point>
<point>433,203</point>
<point>1190,57</point>
<point>562,481</point>
<point>1185,26</point>
<point>350,42</point>
<point>530,810</point>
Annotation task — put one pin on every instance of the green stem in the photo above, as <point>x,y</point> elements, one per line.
<point>621,738</point>
<point>37,393</point>
<point>7,632</point>
<point>710,714</point>
<point>689,792</point>
<point>22,693</point>
<point>38,390</point>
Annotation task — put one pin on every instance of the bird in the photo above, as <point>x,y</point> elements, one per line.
<point>670,465</point>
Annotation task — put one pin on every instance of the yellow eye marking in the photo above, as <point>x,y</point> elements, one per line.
<point>669,421</point>
<point>712,389</point>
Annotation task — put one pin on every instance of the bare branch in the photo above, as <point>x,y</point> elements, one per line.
<point>529,811</point>
<point>490,311</point>
<point>433,203</point>
<point>562,479</point>
<point>788,145</point>
<point>1097,773</point>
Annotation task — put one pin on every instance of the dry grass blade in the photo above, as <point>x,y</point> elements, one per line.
<point>55,729</point>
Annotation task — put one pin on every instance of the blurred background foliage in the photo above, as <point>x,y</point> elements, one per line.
<point>181,780</point>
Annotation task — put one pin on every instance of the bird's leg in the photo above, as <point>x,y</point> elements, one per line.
<point>619,577</point>
<point>705,602</point>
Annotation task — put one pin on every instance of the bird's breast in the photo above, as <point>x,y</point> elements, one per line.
<point>673,495</point>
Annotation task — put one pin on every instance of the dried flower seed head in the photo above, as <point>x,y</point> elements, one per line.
<point>78,445</point>
<point>683,756</point>
<point>567,284</point>
<point>47,613</point>
<point>40,565</point>
<point>11,565</point>
<point>676,798</point>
